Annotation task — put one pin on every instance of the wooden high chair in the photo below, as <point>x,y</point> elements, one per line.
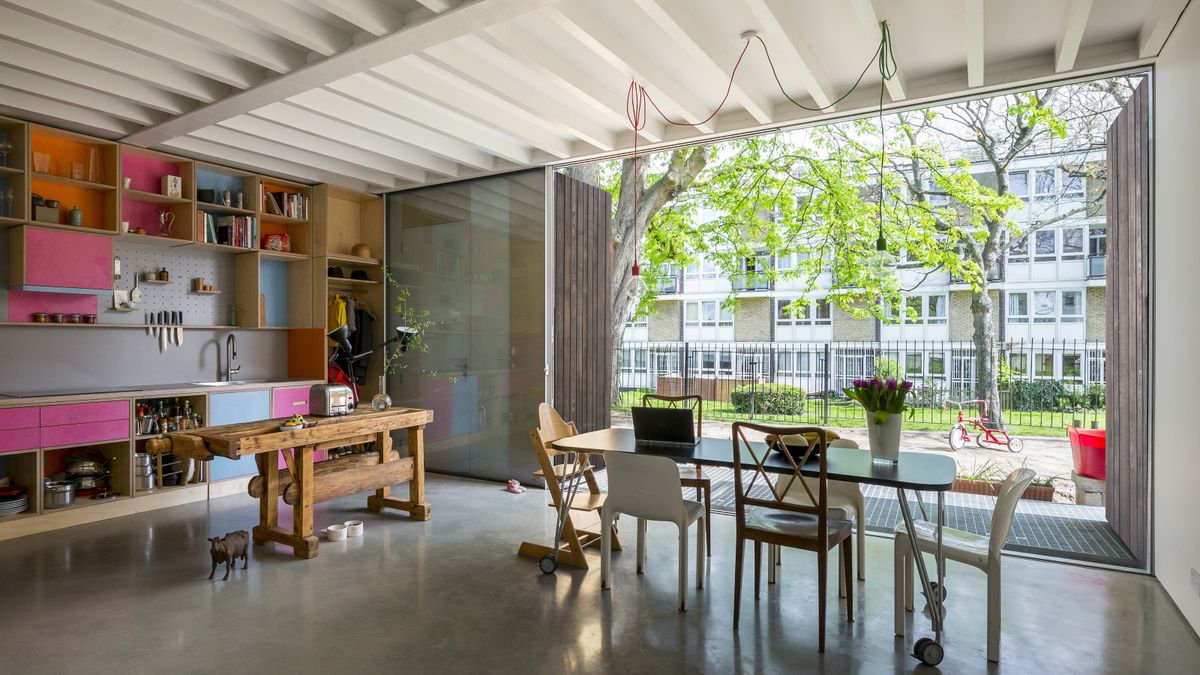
<point>574,538</point>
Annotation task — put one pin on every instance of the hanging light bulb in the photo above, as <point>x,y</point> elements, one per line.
<point>881,260</point>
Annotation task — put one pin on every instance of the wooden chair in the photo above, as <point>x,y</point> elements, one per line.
<point>768,519</point>
<point>691,475</point>
<point>574,538</point>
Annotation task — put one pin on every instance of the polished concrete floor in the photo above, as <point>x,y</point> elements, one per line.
<point>130,595</point>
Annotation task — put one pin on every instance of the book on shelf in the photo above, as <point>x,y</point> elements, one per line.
<point>284,203</point>
<point>241,231</point>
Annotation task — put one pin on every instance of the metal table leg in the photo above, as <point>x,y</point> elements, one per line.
<point>549,562</point>
<point>927,650</point>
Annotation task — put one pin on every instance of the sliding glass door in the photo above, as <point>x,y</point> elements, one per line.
<point>472,255</point>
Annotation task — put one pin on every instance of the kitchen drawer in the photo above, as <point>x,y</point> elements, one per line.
<point>19,418</point>
<point>236,407</point>
<point>288,401</point>
<point>86,432</point>
<point>12,440</point>
<point>76,413</point>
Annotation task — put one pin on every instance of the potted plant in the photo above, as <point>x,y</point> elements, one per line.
<point>884,403</point>
<point>979,480</point>
<point>1040,489</point>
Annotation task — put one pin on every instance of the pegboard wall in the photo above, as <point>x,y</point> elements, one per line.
<point>184,264</point>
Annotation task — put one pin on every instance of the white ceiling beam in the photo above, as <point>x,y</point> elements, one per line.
<point>564,76</point>
<point>310,141</point>
<point>476,61</point>
<point>279,18</point>
<point>44,35</point>
<point>373,16</point>
<point>287,153</point>
<point>1072,35</point>
<point>123,30</point>
<point>58,110</point>
<point>379,94</point>
<point>973,32</point>
<point>251,161</point>
<point>334,130</point>
<point>680,22</point>
<point>1160,20</point>
<point>63,92</point>
<point>467,18</point>
<point>338,107</point>
<point>52,66</point>
<point>438,6</point>
<point>219,32</point>
<point>607,43</point>
<point>870,17</point>
<point>791,53</point>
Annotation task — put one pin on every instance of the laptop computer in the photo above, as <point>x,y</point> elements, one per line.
<point>664,426</point>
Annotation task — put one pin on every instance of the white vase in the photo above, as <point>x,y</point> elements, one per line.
<point>884,438</point>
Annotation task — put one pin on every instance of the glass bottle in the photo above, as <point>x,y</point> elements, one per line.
<point>382,401</point>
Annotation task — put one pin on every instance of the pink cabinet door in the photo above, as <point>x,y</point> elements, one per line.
<point>87,432</point>
<point>19,418</point>
<point>62,259</point>
<point>12,440</point>
<point>288,401</point>
<point>76,413</point>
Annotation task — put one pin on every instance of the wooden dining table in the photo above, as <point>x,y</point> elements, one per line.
<point>916,471</point>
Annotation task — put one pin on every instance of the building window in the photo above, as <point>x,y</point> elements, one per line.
<point>1072,243</point>
<point>921,309</point>
<point>637,322</point>
<point>1043,307</point>
<point>1018,184</point>
<point>1018,252</point>
<point>1018,308</point>
<point>705,269</point>
<point>707,313</point>
<point>937,310</point>
<point>937,365</point>
<point>1098,241</point>
<point>1044,184</point>
<point>1072,186</point>
<point>790,312</point>
<point>1072,306</point>
<point>1043,364</point>
<point>1018,364</point>
<point>1044,246</point>
<point>912,364</point>
<point>913,310</point>
<point>1072,367</point>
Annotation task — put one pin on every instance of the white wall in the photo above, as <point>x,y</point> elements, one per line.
<point>1176,485</point>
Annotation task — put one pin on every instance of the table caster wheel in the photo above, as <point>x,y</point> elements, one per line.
<point>938,590</point>
<point>928,651</point>
<point>548,564</point>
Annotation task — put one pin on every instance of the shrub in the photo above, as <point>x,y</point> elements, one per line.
<point>927,396</point>
<point>775,399</point>
<point>885,368</point>
<point>1036,395</point>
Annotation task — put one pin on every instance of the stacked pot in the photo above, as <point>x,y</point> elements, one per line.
<point>143,471</point>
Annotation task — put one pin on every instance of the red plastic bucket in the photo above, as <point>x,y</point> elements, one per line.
<point>1088,450</point>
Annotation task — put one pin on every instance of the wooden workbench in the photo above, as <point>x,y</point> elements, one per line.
<point>264,439</point>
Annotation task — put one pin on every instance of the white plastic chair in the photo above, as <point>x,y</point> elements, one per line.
<point>967,548</point>
<point>647,488</point>
<point>843,496</point>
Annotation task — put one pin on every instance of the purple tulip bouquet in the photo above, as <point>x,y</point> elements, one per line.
<point>881,397</point>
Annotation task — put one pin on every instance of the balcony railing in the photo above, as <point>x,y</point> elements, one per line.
<point>751,282</point>
<point>1097,266</point>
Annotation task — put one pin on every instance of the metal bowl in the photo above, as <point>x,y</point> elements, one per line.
<point>90,482</point>
<point>86,468</point>
<point>59,493</point>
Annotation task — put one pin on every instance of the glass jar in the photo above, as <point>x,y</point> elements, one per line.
<point>382,401</point>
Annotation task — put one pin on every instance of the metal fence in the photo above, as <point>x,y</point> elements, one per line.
<point>1044,384</point>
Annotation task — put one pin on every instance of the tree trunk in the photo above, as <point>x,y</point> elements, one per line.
<point>987,376</point>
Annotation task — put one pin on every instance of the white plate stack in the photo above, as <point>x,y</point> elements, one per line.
<point>13,505</point>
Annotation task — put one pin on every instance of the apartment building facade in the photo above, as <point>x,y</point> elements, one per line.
<point>1047,291</point>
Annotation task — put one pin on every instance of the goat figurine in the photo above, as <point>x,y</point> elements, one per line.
<point>227,550</point>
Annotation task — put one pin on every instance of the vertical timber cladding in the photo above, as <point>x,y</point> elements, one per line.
<point>582,286</point>
<point>1127,312</point>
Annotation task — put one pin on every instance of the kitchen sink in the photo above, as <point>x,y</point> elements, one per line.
<point>230,383</point>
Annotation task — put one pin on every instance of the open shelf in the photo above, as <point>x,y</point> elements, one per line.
<point>217,292</point>
<point>281,220</point>
<point>353,260</point>
<point>334,281</point>
<point>150,239</point>
<point>222,248</point>
<point>280,255</point>
<point>84,502</point>
<point>63,180</point>
<point>222,209</point>
<point>69,228</point>
<point>151,197</point>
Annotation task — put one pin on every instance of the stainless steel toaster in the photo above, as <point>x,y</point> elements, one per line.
<point>328,400</point>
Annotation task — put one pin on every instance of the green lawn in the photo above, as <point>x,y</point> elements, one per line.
<point>1047,424</point>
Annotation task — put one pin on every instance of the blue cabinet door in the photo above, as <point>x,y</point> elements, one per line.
<point>234,408</point>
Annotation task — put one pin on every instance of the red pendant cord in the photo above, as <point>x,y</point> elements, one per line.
<point>636,112</point>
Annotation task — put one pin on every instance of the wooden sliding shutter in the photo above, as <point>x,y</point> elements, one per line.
<point>1128,318</point>
<point>582,284</point>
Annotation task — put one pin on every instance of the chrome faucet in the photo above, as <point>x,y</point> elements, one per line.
<point>230,355</point>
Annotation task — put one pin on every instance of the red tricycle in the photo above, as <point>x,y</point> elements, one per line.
<point>987,433</point>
